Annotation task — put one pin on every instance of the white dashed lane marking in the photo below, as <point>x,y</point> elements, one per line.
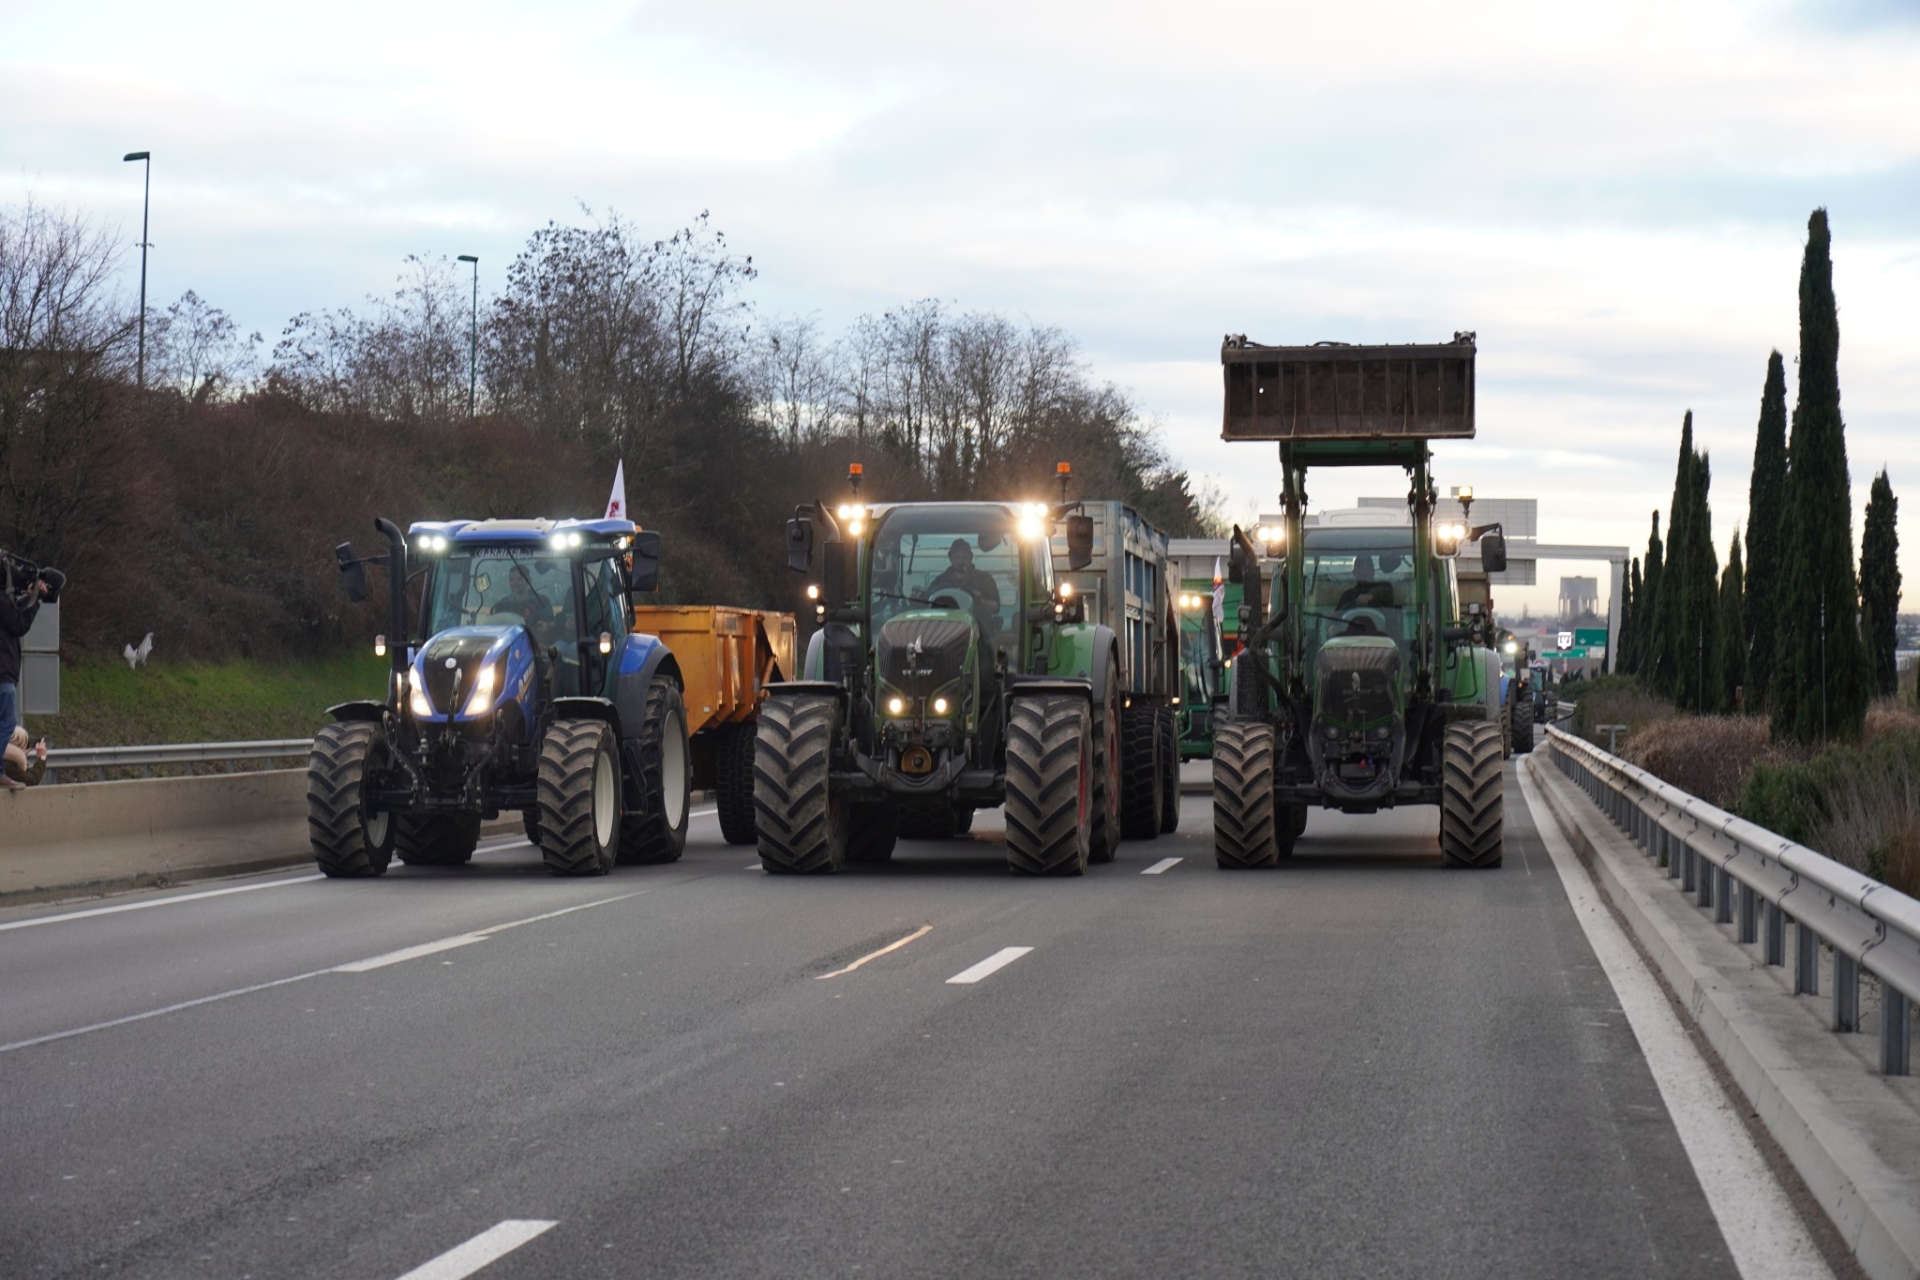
<point>1165,864</point>
<point>485,1249</point>
<point>988,967</point>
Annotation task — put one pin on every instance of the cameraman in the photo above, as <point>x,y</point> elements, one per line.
<point>16,617</point>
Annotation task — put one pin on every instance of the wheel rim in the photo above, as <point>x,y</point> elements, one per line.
<point>373,825</point>
<point>673,770</point>
<point>603,799</point>
<point>376,828</point>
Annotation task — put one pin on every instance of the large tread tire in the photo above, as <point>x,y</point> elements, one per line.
<point>1523,726</point>
<point>578,790</point>
<point>963,819</point>
<point>347,840</point>
<point>436,839</point>
<point>1169,772</point>
<point>925,818</point>
<point>530,819</point>
<point>1140,778</point>
<point>1472,798</point>
<point>1248,696</point>
<point>1050,795</point>
<point>1243,810</point>
<point>802,825</point>
<point>658,833</point>
<point>1103,839</point>
<point>872,833</point>
<point>1289,820</point>
<point>733,782</point>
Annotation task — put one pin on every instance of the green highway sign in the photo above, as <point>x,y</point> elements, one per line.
<point>1564,653</point>
<point>1591,636</point>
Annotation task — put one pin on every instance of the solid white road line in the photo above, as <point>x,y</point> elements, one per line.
<point>156,902</point>
<point>986,968</point>
<point>356,966</point>
<point>491,1245</point>
<point>1165,864</point>
<point>921,932</point>
<point>1759,1224</point>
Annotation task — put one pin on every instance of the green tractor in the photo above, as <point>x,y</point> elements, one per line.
<point>951,672</point>
<point>1203,666</point>
<point>1362,687</point>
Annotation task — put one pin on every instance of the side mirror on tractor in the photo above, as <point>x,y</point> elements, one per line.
<point>1079,541</point>
<point>800,544</point>
<point>646,562</point>
<point>1493,551</point>
<point>353,574</point>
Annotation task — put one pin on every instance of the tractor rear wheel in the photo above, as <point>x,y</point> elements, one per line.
<point>1523,725</point>
<point>1169,771</point>
<point>926,818</point>
<point>578,790</point>
<point>436,839</point>
<point>1103,839</point>
<point>871,834</point>
<point>1141,797</point>
<point>1050,795</point>
<point>1472,799</point>
<point>1243,810</point>
<point>348,839</point>
<point>802,825</point>
<point>658,833</point>
<point>733,781</point>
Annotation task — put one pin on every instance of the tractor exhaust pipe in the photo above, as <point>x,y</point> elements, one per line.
<point>397,589</point>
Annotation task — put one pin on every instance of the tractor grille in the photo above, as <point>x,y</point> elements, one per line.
<point>921,654</point>
<point>466,652</point>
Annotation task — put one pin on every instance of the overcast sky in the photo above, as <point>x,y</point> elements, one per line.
<point>1614,197</point>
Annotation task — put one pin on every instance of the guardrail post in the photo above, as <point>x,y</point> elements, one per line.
<point>1703,879</point>
<point>1896,1041</point>
<point>1806,961</point>
<point>1749,914</point>
<point>1689,870</point>
<point>1670,853</point>
<point>1846,992</point>
<point>1722,896</point>
<point>1776,930</point>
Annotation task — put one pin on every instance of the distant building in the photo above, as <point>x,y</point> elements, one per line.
<point>1579,597</point>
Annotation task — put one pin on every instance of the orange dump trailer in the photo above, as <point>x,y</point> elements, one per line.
<point>727,658</point>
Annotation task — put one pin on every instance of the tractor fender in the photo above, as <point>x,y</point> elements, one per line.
<point>1094,656</point>
<point>643,658</point>
<point>358,710</point>
<point>586,709</point>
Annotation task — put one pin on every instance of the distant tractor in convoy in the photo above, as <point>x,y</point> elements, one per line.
<point>528,691</point>
<point>1362,687</point>
<point>1203,666</point>
<point>953,670</point>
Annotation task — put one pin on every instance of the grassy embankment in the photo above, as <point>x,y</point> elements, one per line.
<point>104,703</point>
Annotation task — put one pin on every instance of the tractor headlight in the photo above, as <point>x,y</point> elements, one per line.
<point>1031,528</point>
<point>480,701</point>
<point>896,706</point>
<point>940,706</point>
<point>417,699</point>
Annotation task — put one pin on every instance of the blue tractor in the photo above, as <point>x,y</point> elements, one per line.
<point>528,692</point>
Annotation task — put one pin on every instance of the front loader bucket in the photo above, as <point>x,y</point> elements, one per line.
<point>1337,392</point>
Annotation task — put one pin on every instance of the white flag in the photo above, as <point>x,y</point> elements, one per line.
<point>617,501</point>
<point>1219,594</point>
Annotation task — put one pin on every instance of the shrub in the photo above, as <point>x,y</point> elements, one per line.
<point>1859,805</point>
<point>1613,700</point>
<point>1706,756</point>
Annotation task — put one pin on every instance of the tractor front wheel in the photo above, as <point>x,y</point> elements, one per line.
<point>871,834</point>
<point>1243,809</point>
<point>348,838</point>
<point>436,839</point>
<point>1169,771</point>
<point>1103,839</point>
<point>1523,725</point>
<point>733,782</point>
<point>578,787</point>
<point>802,825</point>
<point>1050,793</point>
<point>1141,797</point>
<point>658,833</point>
<point>1472,799</point>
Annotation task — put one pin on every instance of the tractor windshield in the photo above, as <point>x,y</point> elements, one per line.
<point>1359,582</point>
<point>946,556</point>
<point>499,587</point>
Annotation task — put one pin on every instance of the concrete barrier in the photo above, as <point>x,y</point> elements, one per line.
<point>95,837</point>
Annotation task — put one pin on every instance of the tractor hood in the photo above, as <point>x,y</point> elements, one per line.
<point>450,664</point>
<point>918,653</point>
<point>1358,733</point>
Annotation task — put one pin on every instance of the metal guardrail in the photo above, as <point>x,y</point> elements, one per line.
<point>1762,881</point>
<point>146,757</point>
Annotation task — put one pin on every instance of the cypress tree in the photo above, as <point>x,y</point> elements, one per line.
<point>1630,620</point>
<point>1643,629</point>
<point>1733,631</point>
<point>1702,680</point>
<point>1766,502</point>
<point>1880,585</point>
<point>1820,682</point>
<point>1670,648</point>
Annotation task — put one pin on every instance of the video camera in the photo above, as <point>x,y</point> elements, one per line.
<point>21,573</point>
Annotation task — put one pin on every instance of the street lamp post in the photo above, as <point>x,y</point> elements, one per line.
<point>146,197</point>
<point>473,331</point>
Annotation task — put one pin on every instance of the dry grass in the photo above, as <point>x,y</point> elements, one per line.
<point>1706,756</point>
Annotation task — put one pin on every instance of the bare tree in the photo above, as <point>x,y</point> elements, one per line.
<point>198,351</point>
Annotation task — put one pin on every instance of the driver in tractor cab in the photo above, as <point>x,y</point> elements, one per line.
<point>534,609</point>
<point>961,575</point>
<point>1367,592</point>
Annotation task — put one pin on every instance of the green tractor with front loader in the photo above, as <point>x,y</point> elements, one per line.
<point>1361,685</point>
<point>951,672</point>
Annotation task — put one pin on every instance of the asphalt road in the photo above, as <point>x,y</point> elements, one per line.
<point>1358,1064</point>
